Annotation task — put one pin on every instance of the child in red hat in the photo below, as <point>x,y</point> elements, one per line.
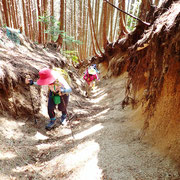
<point>59,94</point>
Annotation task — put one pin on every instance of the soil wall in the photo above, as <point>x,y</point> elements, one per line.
<point>152,60</point>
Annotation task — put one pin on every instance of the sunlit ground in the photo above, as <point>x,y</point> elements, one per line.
<point>89,131</point>
<point>97,100</point>
<point>82,160</point>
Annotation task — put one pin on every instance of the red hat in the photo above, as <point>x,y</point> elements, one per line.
<point>46,77</point>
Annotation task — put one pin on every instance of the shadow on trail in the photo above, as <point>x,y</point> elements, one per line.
<point>122,155</point>
<point>105,146</point>
<point>33,146</point>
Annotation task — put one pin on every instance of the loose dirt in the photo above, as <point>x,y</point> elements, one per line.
<point>101,144</point>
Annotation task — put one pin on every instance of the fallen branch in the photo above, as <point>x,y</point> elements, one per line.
<point>148,24</point>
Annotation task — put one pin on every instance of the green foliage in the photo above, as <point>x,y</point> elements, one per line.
<point>131,22</point>
<point>52,26</point>
<point>71,55</point>
<point>44,19</point>
<point>13,34</point>
<point>54,30</point>
<point>69,39</point>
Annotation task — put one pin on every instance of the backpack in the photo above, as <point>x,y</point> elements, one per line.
<point>63,73</point>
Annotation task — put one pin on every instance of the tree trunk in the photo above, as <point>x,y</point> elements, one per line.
<point>52,15</point>
<point>46,26</point>
<point>75,26</point>
<point>92,29</point>
<point>65,24</point>
<point>84,32</point>
<point>122,22</point>
<point>13,14</point>
<point>9,13</point>
<point>16,14</point>
<point>29,18</point>
<point>39,24</point>
<point>100,31</point>
<point>61,19</point>
<point>144,9</point>
<point>156,2</point>
<point>5,12</point>
<point>3,19</point>
<point>34,19</point>
<point>42,24</point>
<point>80,35</point>
<point>105,41</point>
<point>24,18</point>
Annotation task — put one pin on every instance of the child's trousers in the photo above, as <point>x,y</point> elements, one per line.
<point>61,107</point>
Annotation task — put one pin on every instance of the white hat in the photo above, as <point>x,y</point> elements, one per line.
<point>91,71</point>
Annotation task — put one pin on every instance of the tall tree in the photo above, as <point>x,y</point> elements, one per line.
<point>9,13</point>
<point>101,26</point>
<point>39,23</point>
<point>52,18</point>
<point>61,19</point>
<point>145,7</point>
<point>84,31</point>
<point>156,2</point>
<point>105,41</point>
<point>65,24</point>
<point>24,18</point>
<point>122,22</point>
<point>42,24</point>
<point>75,23</point>
<point>29,18</point>
<point>46,25</point>
<point>2,17</point>
<point>34,19</point>
<point>5,12</point>
<point>86,47</point>
<point>13,14</point>
<point>16,13</point>
<point>93,34</point>
<point>79,34</point>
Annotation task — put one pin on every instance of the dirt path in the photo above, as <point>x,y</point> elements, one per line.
<point>105,146</point>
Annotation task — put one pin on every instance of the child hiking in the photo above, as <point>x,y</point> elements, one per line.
<point>90,77</point>
<point>59,90</point>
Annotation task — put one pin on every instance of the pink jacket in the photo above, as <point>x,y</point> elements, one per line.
<point>88,77</point>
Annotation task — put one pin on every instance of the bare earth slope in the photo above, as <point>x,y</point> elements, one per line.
<point>105,146</point>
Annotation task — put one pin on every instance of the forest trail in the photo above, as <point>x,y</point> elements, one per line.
<point>106,147</point>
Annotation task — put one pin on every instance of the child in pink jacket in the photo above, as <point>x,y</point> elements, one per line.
<point>90,77</point>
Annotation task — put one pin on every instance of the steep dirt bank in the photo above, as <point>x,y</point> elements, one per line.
<point>21,61</point>
<point>152,59</point>
<point>161,126</point>
<point>155,79</point>
<point>105,145</point>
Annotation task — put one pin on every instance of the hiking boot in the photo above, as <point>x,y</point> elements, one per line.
<point>51,124</point>
<point>86,94</point>
<point>63,120</point>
